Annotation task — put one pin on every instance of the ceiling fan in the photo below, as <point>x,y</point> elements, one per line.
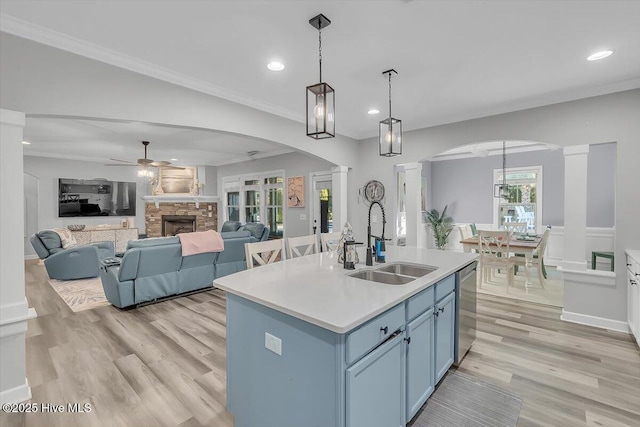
<point>144,162</point>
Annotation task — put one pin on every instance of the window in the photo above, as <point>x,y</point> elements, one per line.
<point>525,197</point>
<point>256,198</point>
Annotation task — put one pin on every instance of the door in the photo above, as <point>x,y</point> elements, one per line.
<point>420,365</point>
<point>444,312</point>
<point>375,387</point>
<point>321,203</point>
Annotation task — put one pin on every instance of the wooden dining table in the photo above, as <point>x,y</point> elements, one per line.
<point>517,246</point>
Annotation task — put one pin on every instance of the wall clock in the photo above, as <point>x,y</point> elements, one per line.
<point>373,191</point>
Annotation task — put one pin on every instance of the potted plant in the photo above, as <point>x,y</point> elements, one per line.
<point>441,226</point>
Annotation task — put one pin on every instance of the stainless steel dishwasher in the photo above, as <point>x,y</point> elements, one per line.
<point>465,310</point>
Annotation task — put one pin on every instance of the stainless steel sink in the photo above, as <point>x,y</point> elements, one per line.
<point>395,273</point>
<point>412,270</point>
<point>381,277</point>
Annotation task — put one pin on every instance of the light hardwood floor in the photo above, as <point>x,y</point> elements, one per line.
<point>164,364</point>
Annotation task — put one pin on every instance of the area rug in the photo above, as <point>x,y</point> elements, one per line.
<point>464,401</point>
<point>81,294</point>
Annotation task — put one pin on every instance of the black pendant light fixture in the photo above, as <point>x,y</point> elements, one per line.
<point>501,191</point>
<point>390,133</point>
<point>320,97</point>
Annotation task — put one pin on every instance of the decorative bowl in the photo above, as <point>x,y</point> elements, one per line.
<point>76,227</point>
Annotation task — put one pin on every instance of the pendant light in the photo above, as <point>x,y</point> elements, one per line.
<point>390,132</point>
<point>502,190</point>
<point>320,97</point>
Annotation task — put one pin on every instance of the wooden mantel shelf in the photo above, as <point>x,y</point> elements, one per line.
<point>184,198</point>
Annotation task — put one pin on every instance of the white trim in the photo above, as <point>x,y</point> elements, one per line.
<point>575,150</point>
<point>598,322</point>
<point>63,41</point>
<point>30,257</point>
<point>17,394</point>
<point>180,199</point>
<point>12,118</point>
<point>588,277</point>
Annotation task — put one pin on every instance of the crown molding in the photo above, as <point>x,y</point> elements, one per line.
<point>39,34</point>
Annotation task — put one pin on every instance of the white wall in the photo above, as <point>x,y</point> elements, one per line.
<point>608,118</point>
<point>48,170</point>
<point>31,185</point>
<point>294,164</point>
<point>38,79</point>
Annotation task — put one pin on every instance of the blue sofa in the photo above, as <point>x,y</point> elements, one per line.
<point>155,268</point>
<point>257,230</point>
<point>79,262</point>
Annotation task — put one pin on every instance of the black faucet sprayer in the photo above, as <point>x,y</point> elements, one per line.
<point>379,240</point>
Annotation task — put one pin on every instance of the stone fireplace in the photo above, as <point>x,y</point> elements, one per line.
<point>173,225</point>
<point>182,217</point>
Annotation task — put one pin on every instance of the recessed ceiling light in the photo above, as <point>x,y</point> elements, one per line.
<point>174,160</point>
<point>599,55</point>
<point>26,142</point>
<point>373,111</point>
<point>275,66</point>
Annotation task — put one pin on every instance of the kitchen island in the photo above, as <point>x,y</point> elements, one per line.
<point>309,345</point>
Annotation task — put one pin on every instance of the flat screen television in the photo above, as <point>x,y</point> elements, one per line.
<point>95,197</point>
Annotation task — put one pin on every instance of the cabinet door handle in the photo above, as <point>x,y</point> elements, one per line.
<point>441,309</point>
<point>633,282</point>
<point>408,340</point>
<point>385,330</point>
<point>436,312</point>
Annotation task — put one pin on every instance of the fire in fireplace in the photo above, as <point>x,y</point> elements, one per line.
<point>173,225</point>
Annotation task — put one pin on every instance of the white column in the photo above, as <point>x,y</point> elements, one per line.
<point>339,196</point>
<point>14,310</point>
<point>413,180</point>
<point>575,207</point>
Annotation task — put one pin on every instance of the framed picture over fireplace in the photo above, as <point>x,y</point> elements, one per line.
<point>177,181</point>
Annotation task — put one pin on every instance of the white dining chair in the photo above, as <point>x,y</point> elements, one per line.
<point>302,246</point>
<point>538,257</point>
<point>262,253</point>
<point>493,247</point>
<point>325,238</point>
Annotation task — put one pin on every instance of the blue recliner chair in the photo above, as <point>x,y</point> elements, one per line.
<point>79,262</point>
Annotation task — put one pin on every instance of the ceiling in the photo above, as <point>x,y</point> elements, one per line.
<point>98,141</point>
<point>456,60</point>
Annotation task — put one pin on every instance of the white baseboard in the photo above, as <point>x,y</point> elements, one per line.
<point>598,322</point>
<point>18,394</point>
<point>33,256</point>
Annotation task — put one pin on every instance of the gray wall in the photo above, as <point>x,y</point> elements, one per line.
<point>601,185</point>
<point>294,164</point>
<point>466,185</point>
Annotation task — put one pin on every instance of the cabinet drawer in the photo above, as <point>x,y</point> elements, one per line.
<point>374,332</point>
<point>420,302</point>
<point>445,286</point>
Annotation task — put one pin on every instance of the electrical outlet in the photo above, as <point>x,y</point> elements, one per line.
<point>273,343</point>
<point>210,214</point>
<point>303,217</point>
<point>210,207</point>
<point>374,218</point>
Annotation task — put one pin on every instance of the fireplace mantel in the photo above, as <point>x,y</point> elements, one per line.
<point>165,198</point>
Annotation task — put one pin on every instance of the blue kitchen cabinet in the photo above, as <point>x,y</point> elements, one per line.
<point>375,387</point>
<point>444,313</point>
<point>420,363</point>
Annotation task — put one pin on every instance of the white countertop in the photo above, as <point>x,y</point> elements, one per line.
<point>316,289</point>
<point>634,253</point>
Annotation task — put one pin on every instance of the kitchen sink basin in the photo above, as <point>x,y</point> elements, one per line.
<point>412,270</point>
<point>394,274</point>
<point>381,277</point>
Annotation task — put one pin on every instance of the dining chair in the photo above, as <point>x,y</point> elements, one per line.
<point>465,232</point>
<point>538,258</point>
<point>493,247</point>
<point>325,238</point>
<point>262,253</point>
<point>302,246</point>
<point>516,227</point>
